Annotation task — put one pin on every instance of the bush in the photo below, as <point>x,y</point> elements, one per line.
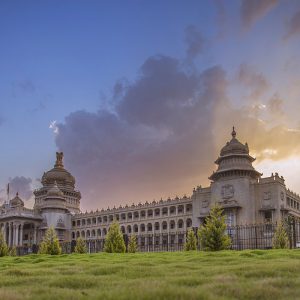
<point>213,235</point>
<point>80,246</point>
<point>132,245</point>
<point>280,239</point>
<point>191,241</point>
<point>3,246</point>
<point>114,242</point>
<point>50,244</point>
<point>13,251</point>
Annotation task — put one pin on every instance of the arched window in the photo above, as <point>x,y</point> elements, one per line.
<point>180,209</point>
<point>136,215</point>
<point>82,234</point>
<point>180,224</point>
<point>149,227</point>
<point>99,232</point>
<point>123,229</point>
<point>150,213</point>
<point>73,235</point>
<point>188,223</point>
<point>164,225</point>
<point>172,224</point>
<point>129,229</point>
<point>93,233</point>
<point>156,226</point>
<point>77,234</point>
<point>172,210</point>
<point>104,231</point>
<point>157,212</point>
<point>165,211</point>
<point>135,229</point>
<point>142,228</point>
<point>88,234</point>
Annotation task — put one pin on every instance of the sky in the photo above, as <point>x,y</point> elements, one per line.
<point>141,95</point>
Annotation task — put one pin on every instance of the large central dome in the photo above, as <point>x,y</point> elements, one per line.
<point>58,174</point>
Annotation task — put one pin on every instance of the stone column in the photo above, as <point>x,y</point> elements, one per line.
<point>17,235</point>
<point>21,234</point>
<point>5,233</point>
<point>34,234</point>
<point>9,234</point>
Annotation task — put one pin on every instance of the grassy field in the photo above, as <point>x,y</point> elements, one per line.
<point>273,274</point>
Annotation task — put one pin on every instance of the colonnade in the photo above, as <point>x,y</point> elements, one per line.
<point>13,233</point>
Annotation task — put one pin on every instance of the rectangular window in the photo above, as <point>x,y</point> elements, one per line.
<point>268,216</point>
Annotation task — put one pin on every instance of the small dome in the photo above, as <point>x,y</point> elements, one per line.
<point>234,146</point>
<point>58,174</point>
<point>55,191</point>
<point>17,201</point>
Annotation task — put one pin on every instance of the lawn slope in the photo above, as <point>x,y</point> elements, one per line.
<point>272,274</point>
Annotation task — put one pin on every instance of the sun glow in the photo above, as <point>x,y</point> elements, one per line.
<point>288,168</point>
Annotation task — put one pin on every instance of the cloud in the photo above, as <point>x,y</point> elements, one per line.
<point>21,185</point>
<point>253,10</point>
<point>163,135</point>
<point>54,127</point>
<point>255,83</point>
<point>293,26</point>
<point>195,41</point>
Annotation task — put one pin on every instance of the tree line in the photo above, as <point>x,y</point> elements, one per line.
<point>211,236</point>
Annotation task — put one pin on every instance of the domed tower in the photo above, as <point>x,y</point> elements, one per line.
<point>233,183</point>
<point>57,200</point>
<point>234,160</point>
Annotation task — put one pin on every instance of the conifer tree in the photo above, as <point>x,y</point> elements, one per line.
<point>213,235</point>
<point>50,244</point>
<point>191,241</point>
<point>80,246</point>
<point>280,239</point>
<point>132,245</point>
<point>13,251</point>
<point>3,246</point>
<point>114,242</point>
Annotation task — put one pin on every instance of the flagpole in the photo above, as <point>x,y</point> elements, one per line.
<point>7,193</point>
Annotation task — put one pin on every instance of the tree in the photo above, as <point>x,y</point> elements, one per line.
<point>132,245</point>
<point>191,241</point>
<point>3,246</point>
<point>114,242</point>
<point>213,235</point>
<point>13,251</point>
<point>280,239</point>
<point>50,244</point>
<point>80,246</point>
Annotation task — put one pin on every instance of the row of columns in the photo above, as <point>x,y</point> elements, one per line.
<point>15,233</point>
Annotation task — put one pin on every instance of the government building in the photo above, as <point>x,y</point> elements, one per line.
<point>245,196</point>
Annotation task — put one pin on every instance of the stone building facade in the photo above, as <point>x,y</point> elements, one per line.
<point>245,196</point>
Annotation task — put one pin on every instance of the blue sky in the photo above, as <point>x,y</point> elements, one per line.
<point>60,61</point>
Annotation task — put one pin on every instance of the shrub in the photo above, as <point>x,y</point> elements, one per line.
<point>50,244</point>
<point>114,242</point>
<point>13,251</point>
<point>80,246</point>
<point>280,239</point>
<point>191,241</point>
<point>213,235</point>
<point>132,245</point>
<point>3,246</point>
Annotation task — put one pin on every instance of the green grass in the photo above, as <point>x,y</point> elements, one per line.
<point>272,274</point>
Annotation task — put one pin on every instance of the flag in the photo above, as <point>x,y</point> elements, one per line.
<point>7,189</point>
